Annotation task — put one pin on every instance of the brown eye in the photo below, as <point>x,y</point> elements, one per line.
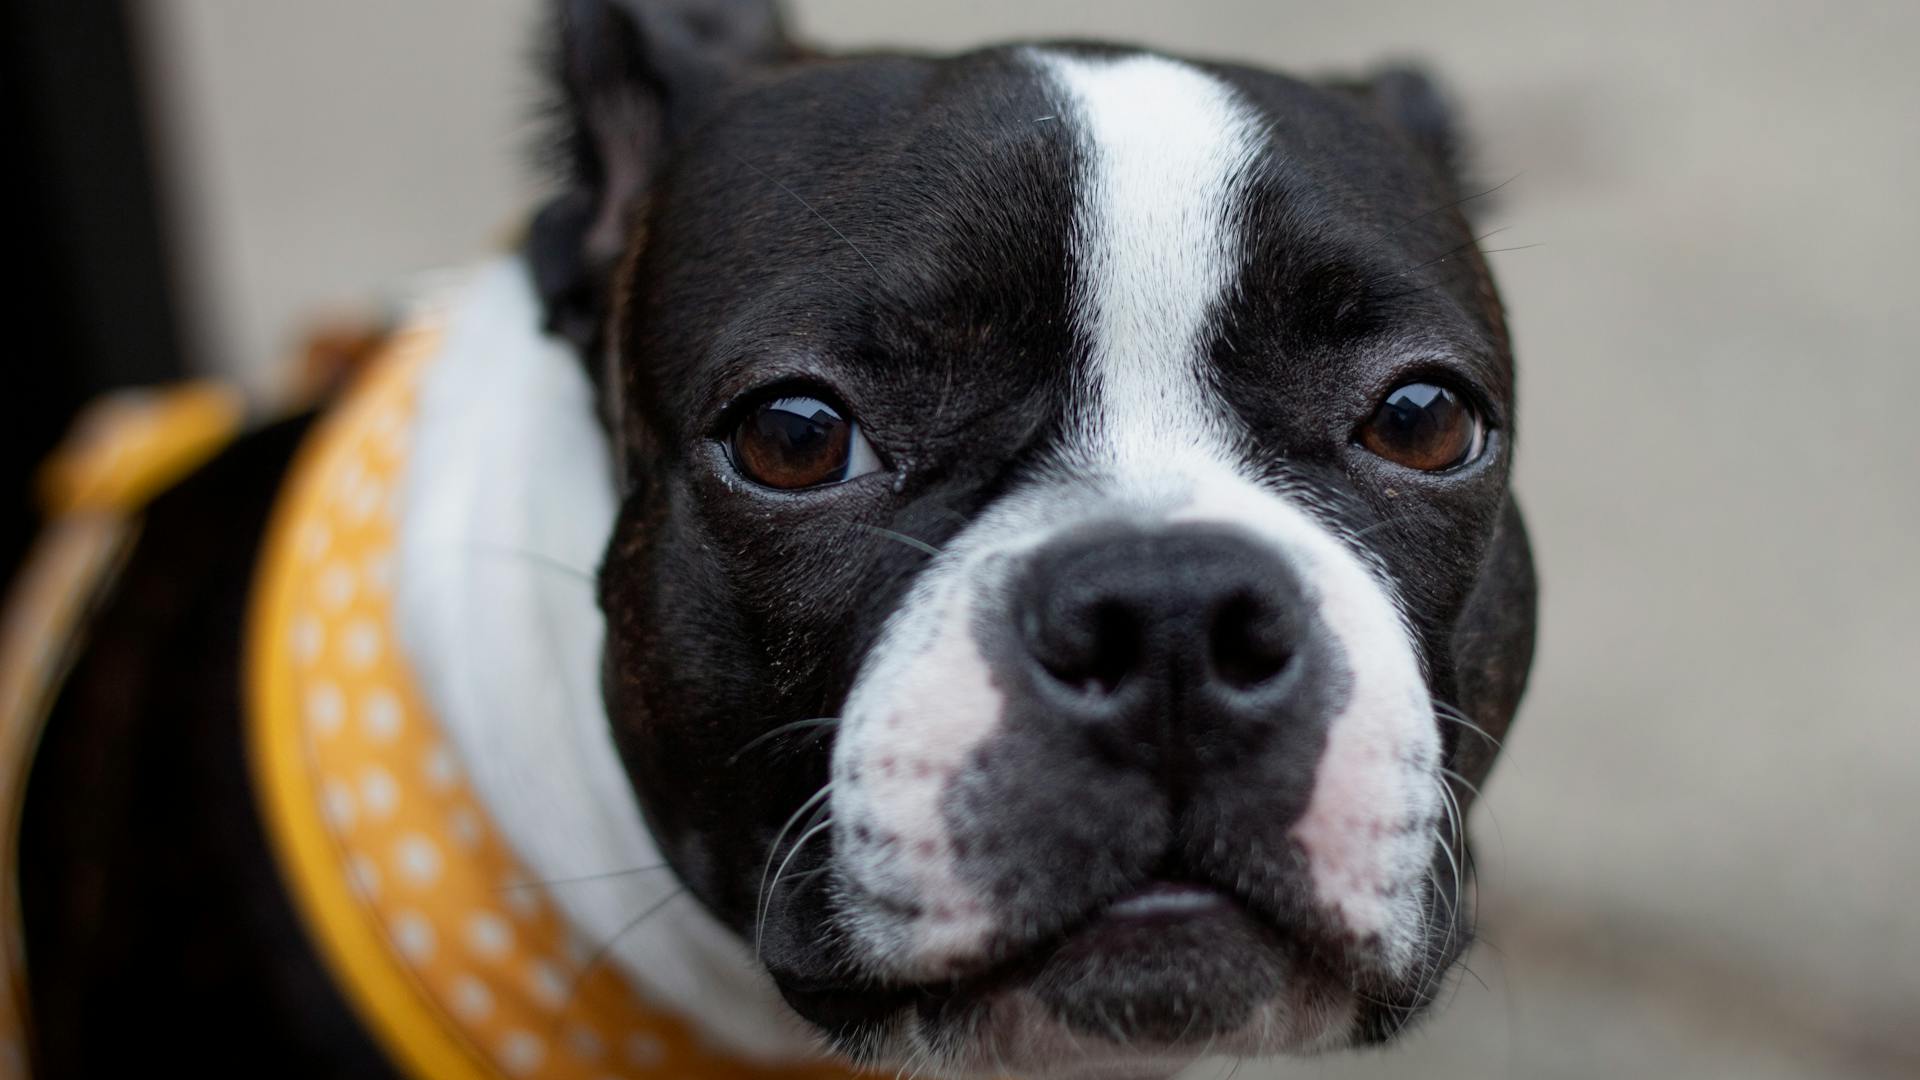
<point>799,442</point>
<point>1425,427</point>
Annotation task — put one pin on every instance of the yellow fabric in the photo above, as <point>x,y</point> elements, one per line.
<point>410,892</point>
<point>133,444</point>
<point>122,451</point>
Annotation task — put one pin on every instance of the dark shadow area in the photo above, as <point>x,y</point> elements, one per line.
<point>92,300</point>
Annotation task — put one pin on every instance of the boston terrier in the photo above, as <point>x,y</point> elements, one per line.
<point>989,565</point>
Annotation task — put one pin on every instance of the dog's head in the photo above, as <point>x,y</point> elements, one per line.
<point>1066,588</point>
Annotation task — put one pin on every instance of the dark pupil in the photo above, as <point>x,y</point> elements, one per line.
<point>1419,412</point>
<point>800,437</point>
<point>1423,424</point>
<point>793,443</point>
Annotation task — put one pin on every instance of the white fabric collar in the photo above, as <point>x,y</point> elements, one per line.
<point>506,511</point>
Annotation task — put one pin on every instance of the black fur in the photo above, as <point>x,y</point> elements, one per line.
<point>157,928</point>
<point>932,169</point>
<point>631,77</point>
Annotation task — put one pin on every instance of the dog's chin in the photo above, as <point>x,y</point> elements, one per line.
<point>1166,967</point>
<point>1144,987</point>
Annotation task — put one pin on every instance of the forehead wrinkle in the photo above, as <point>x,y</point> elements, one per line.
<point>1167,157</point>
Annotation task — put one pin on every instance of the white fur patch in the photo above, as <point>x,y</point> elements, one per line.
<point>908,729</point>
<point>1168,156</point>
<point>508,507</point>
<point>924,701</point>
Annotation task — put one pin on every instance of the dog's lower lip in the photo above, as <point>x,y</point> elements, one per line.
<point>1141,931</point>
<point>1167,900</point>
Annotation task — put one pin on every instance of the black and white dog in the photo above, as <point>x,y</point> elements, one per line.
<point>1058,582</point>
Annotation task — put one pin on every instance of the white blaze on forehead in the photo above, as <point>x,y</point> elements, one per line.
<point>1166,154</point>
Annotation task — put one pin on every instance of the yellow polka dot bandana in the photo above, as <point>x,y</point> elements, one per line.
<point>413,898</point>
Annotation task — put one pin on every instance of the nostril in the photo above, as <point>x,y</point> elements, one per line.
<point>1093,651</point>
<point>1248,644</point>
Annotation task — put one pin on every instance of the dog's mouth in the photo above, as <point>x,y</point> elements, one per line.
<point>1161,903</point>
<point>1169,965</point>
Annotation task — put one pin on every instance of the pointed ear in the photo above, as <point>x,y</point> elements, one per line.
<point>633,76</point>
<point>1413,104</point>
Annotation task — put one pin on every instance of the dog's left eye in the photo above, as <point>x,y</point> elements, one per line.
<point>799,442</point>
<point>1424,426</point>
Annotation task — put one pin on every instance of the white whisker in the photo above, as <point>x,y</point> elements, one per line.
<point>773,850</point>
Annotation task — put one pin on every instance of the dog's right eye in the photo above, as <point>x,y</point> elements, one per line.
<point>799,442</point>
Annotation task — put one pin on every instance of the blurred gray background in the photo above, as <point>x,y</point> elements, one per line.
<point>1701,850</point>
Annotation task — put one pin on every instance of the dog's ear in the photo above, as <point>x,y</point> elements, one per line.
<point>1413,104</point>
<point>633,76</point>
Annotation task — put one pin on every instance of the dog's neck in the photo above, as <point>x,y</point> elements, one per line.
<point>507,507</point>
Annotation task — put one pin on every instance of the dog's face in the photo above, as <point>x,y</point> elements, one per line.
<point>1067,584</point>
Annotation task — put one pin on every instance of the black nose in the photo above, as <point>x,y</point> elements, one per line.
<point>1177,644</point>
